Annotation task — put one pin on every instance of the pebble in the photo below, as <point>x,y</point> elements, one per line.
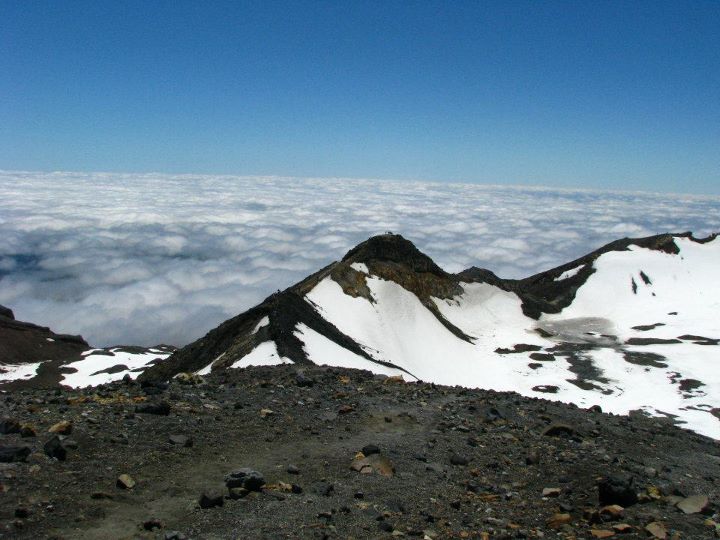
<point>370,449</point>
<point>245,478</point>
<point>152,524</point>
<point>558,429</point>
<point>9,454</point>
<point>181,440</point>
<point>55,449</point>
<point>62,428</point>
<point>211,499</point>
<point>9,426</point>
<point>161,409</point>
<point>125,481</point>
<point>657,530</point>
<point>617,489</point>
<point>26,431</point>
<point>694,504</point>
<point>558,520</point>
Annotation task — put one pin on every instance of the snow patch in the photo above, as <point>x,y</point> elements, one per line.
<point>360,267</point>
<point>207,369</point>
<point>265,354</point>
<point>94,361</point>
<point>570,273</point>
<point>14,372</point>
<point>263,322</point>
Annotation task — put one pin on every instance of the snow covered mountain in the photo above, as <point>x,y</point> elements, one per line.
<point>634,325</point>
<point>631,326</point>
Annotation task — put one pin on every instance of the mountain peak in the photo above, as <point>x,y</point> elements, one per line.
<point>393,248</point>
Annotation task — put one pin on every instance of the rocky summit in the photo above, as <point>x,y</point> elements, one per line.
<point>322,452</point>
<point>630,326</point>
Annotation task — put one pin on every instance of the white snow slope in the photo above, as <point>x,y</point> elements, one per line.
<point>638,287</point>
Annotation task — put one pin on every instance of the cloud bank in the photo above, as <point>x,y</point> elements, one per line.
<point>150,258</point>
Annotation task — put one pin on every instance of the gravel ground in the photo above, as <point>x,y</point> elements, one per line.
<point>437,463</point>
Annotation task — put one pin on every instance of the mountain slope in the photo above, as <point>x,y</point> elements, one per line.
<point>630,326</point>
<point>35,356</point>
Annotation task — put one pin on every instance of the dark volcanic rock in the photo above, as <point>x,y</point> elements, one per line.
<point>181,440</point>
<point>651,341</point>
<point>162,408</point>
<point>246,478</point>
<point>8,454</point>
<point>9,426</point>
<point>558,430</point>
<point>370,449</point>
<point>617,489</point>
<point>55,448</point>
<point>211,499</point>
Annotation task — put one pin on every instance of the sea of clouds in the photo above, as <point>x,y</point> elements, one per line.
<point>151,258</point>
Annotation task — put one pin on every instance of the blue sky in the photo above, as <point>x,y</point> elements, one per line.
<point>616,95</point>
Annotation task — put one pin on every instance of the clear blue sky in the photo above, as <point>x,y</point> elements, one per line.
<point>588,94</point>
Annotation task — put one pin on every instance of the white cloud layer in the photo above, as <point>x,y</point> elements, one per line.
<point>149,258</point>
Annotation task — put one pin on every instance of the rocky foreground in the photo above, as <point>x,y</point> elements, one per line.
<point>332,453</point>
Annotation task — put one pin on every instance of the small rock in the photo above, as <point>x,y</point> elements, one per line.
<point>62,428</point>
<point>456,459</point>
<point>370,449</point>
<point>245,478</point>
<point>55,449</point>
<point>323,488</point>
<point>125,481</point>
<point>558,520</point>
<point>266,412</point>
<point>346,409</point>
<point>374,463</point>
<point>558,430</point>
<point>175,535</point>
<point>611,512</point>
<point>152,524</point>
<point>292,469</point>
<point>601,533</point>
<point>9,454</point>
<point>181,440</point>
<point>9,426</point>
<point>385,526</point>
<point>189,378</point>
<point>236,493</point>
<point>551,492</point>
<point>22,512</point>
<point>26,430</point>
<point>694,505</point>
<point>617,489</point>
<point>211,499</point>
<point>161,409</point>
<point>303,380</point>
<point>656,530</point>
